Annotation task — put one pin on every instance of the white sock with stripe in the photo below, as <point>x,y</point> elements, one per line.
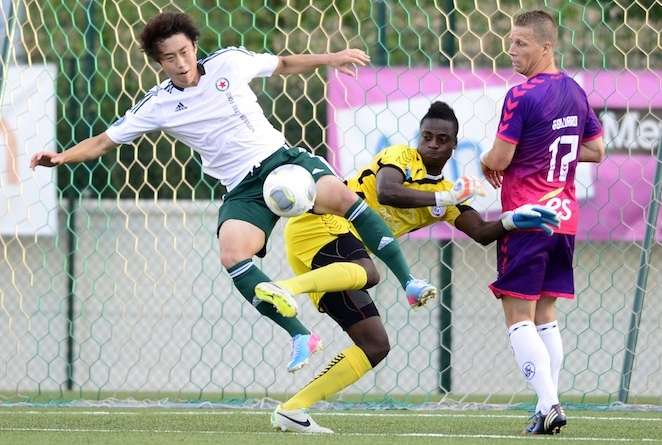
<point>533,361</point>
<point>551,337</point>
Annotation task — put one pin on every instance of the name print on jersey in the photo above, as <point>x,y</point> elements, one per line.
<point>564,122</point>
<point>237,111</point>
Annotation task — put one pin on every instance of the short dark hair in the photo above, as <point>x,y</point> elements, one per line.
<point>441,110</point>
<point>542,23</point>
<point>164,25</point>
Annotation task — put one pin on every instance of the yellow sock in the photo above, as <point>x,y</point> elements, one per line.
<point>345,369</point>
<point>334,277</point>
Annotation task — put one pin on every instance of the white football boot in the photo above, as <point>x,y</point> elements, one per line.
<point>297,421</point>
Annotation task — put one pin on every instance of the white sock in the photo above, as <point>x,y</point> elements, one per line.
<point>551,337</point>
<point>533,361</point>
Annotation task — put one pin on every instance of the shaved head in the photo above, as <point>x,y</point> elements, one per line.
<point>541,23</point>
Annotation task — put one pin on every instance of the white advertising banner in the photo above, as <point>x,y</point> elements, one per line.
<point>28,202</point>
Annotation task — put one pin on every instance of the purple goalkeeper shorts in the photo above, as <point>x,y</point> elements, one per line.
<point>532,264</point>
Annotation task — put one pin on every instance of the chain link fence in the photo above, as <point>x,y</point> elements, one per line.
<point>110,283</point>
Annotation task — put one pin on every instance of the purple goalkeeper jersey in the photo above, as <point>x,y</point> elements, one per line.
<point>547,118</point>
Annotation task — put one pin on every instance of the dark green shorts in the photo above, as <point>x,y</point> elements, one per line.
<point>245,201</point>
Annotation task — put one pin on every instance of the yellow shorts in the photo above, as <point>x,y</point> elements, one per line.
<point>306,234</point>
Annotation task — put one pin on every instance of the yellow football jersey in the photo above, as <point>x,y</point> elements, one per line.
<point>306,234</point>
<point>409,162</point>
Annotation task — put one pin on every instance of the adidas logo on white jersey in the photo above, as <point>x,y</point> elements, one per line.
<point>385,241</point>
<point>180,107</point>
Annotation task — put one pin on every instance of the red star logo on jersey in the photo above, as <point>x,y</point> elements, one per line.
<point>222,84</point>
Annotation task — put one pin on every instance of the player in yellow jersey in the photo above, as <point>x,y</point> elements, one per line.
<point>405,186</point>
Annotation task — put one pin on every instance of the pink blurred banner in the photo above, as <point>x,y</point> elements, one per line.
<point>382,106</point>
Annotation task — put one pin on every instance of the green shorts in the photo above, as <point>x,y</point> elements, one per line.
<point>245,201</point>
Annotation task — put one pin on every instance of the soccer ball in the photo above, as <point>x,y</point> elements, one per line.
<point>289,190</point>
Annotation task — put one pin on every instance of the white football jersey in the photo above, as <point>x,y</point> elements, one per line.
<point>219,117</point>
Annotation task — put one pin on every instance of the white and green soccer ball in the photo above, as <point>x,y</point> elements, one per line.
<point>289,190</point>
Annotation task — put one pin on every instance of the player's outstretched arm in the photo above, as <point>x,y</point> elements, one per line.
<point>87,150</point>
<point>344,61</point>
<point>525,217</point>
<point>481,231</point>
<point>392,192</point>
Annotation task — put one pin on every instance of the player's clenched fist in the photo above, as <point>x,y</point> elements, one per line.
<point>463,189</point>
<point>46,159</point>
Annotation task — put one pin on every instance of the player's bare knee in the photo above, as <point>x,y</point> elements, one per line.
<point>371,337</point>
<point>377,349</point>
<point>333,196</point>
<point>231,258</point>
<point>383,347</point>
<point>372,277</point>
<point>238,241</point>
<point>372,274</point>
<point>517,310</point>
<point>545,310</point>
<point>347,199</point>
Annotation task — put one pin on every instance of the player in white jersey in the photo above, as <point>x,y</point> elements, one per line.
<point>209,105</point>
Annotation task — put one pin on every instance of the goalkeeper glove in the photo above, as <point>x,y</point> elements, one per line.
<point>531,216</point>
<point>463,189</point>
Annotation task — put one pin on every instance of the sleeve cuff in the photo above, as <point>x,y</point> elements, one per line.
<point>507,139</point>
<point>592,137</point>
<point>109,133</point>
<point>397,167</point>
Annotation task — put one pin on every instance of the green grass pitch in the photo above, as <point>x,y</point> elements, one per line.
<point>73,426</point>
